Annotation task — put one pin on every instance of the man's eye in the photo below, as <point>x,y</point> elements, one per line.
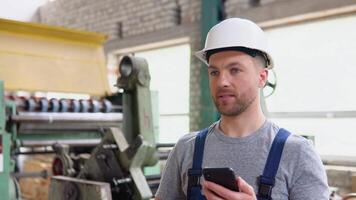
<point>234,70</point>
<point>214,73</point>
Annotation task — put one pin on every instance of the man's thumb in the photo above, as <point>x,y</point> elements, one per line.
<point>245,187</point>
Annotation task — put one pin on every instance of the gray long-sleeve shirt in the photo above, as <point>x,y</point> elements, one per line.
<point>301,175</point>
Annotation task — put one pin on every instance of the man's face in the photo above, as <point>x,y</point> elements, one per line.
<point>235,81</point>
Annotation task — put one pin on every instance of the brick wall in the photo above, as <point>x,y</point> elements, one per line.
<point>194,96</point>
<point>120,19</point>
<point>233,8</point>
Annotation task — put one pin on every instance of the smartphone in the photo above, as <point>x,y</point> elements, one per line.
<point>221,176</point>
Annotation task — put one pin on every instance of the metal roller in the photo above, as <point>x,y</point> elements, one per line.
<point>65,123</point>
<point>64,105</point>
<point>44,105</point>
<point>54,105</point>
<point>84,106</point>
<point>34,104</point>
<point>30,104</point>
<point>107,106</point>
<point>66,117</point>
<point>75,106</point>
<point>95,106</point>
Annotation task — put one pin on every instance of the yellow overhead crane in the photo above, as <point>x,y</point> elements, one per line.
<point>37,57</point>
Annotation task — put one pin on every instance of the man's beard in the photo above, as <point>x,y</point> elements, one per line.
<point>241,104</point>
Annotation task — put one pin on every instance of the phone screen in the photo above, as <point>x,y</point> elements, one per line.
<point>221,176</point>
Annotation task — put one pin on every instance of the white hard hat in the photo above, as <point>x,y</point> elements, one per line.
<point>236,32</point>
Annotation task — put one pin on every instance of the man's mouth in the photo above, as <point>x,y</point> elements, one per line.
<point>225,97</point>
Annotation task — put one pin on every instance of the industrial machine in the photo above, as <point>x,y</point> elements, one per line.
<point>115,165</point>
<point>100,146</point>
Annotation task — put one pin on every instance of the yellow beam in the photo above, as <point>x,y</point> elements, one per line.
<point>53,32</point>
<point>37,57</point>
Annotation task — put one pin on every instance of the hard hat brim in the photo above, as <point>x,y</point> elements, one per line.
<point>201,55</point>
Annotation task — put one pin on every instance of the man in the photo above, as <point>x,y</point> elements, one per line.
<point>238,60</point>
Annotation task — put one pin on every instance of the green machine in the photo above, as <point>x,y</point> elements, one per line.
<point>8,186</point>
<point>116,163</point>
<point>100,144</point>
<point>99,155</point>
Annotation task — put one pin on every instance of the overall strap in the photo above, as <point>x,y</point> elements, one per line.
<point>194,174</point>
<point>267,180</point>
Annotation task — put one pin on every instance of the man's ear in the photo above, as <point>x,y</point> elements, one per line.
<point>263,76</point>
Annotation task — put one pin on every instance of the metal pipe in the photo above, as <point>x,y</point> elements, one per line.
<point>31,128</point>
<point>349,161</point>
<point>164,145</point>
<point>66,117</point>
<point>33,152</point>
<point>153,177</point>
<point>322,114</point>
<point>83,143</point>
<point>163,155</point>
<point>42,174</point>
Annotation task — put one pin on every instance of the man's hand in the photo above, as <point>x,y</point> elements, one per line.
<point>214,191</point>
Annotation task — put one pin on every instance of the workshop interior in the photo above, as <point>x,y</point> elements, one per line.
<point>95,94</point>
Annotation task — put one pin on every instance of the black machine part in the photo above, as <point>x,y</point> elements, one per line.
<point>103,166</point>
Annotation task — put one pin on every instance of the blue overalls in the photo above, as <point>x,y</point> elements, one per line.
<point>265,182</point>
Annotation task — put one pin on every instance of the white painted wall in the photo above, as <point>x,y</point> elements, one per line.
<point>169,69</point>
<point>21,10</point>
<point>316,70</point>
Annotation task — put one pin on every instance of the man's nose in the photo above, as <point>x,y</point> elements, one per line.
<point>223,80</point>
